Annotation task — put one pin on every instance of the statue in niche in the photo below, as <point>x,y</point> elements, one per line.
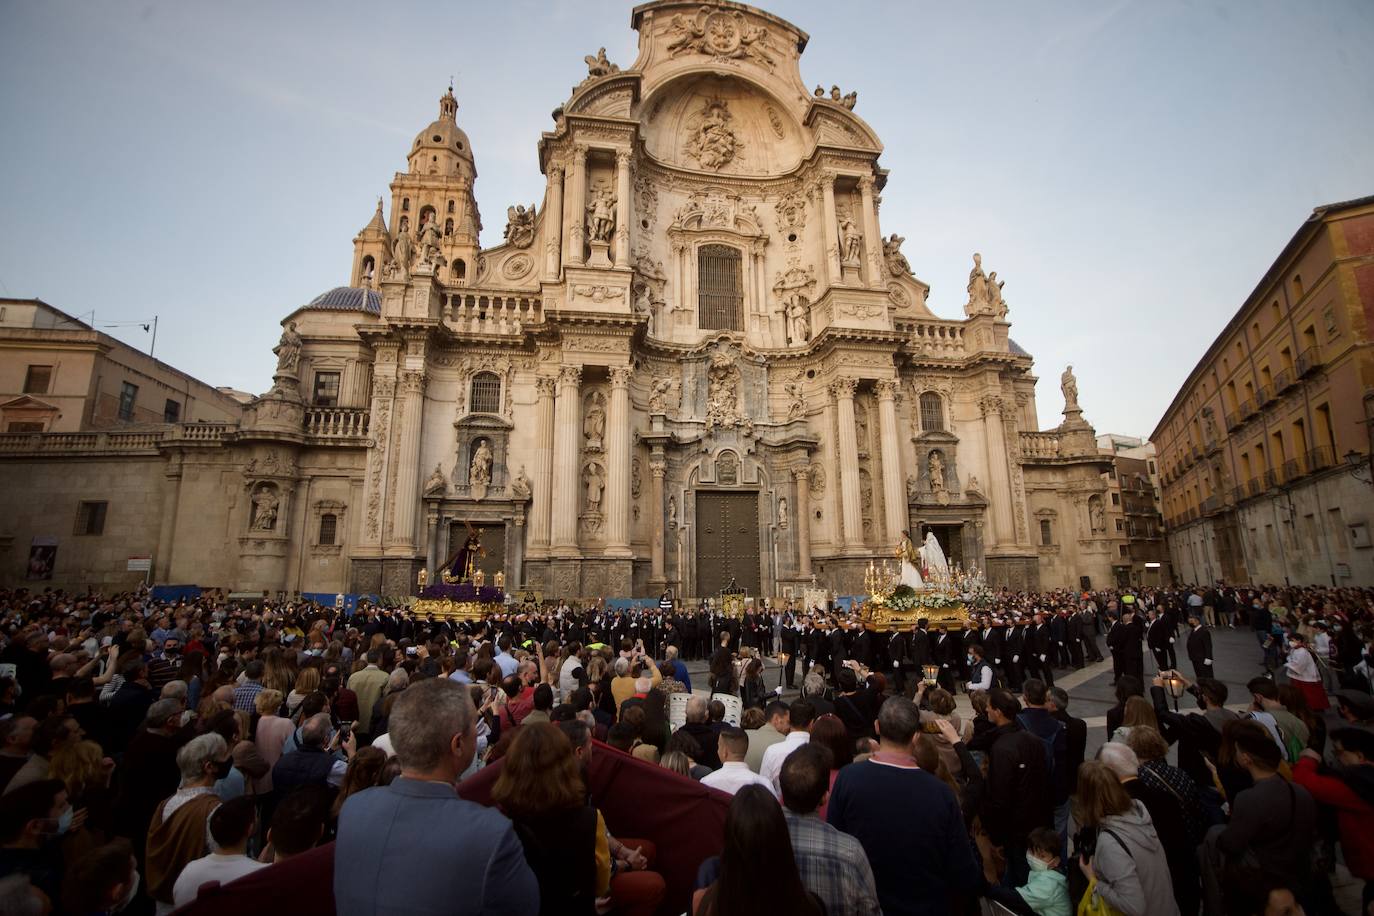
<point>897,264</point>
<point>711,141</point>
<point>972,485</point>
<point>851,239</point>
<point>672,511</point>
<point>599,65</point>
<point>596,486</point>
<point>937,472</point>
<point>265,504</point>
<point>660,395</point>
<point>288,350</point>
<point>644,304</point>
<point>1096,515</point>
<point>436,483</point>
<point>796,399</point>
<point>479,470</point>
<point>798,326</point>
<point>1068,384</point>
<point>861,427</point>
<point>520,226</point>
<point>594,424</point>
<point>601,215</point>
<point>783,515</point>
<point>520,487</point>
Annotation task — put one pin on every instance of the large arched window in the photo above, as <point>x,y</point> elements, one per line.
<point>720,288</point>
<point>486,393</point>
<point>932,413</point>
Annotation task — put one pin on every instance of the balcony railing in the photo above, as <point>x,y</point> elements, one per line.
<point>1309,361</point>
<point>480,312</point>
<point>1246,409</point>
<point>1233,420</point>
<point>1211,505</point>
<point>336,422</point>
<point>1238,493</point>
<point>1284,379</point>
<point>1255,486</point>
<point>1273,478</point>
<point>1263,395</point>
<point>1292,469</point>
<point>1319,459</point>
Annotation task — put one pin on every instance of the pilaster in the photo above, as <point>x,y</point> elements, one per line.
<point>894,481</point>
<point>618,463</point>
<point>842,390</point>
<point>567,461</point>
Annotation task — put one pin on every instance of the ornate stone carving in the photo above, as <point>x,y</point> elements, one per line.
<point>598,65</point>
<point>545,386</point>
<point>646,199</point>
<point>817,473</point>
<point>570,376</point>
<point>601,215</point>
<point>711,141</point>
<point>796,397</point>
<point>265,505</point>
<point>594,420</point>
<point>795,289</point>
<point>896,294</point>
<point>990,405</point>
<point>428,243</point>
<point>288,350</point>
<point>1068,384</point>
<point>984,291</point>
<point>935,465</point>
<point>896,262</point>
<point>784,516</point>
<point>663,394</point>
<point>851,240</point>
<point>636,478</point>
<point>599,293</point>
<point>517,266</point>
<point>479,469</point>
<point>594,483</point>
<point>437,483</point>
<point>723,383</point>
<point>844,387</point>
<point>861,309</point>
<point>520,487</point>
<point>519,226</point>
<point>722,34</point>
<point>727,468</point>
<point>791,211</point>
<point>774,121</point>
<point>672,511</point>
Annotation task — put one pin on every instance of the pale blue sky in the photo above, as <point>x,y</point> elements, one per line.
<point>1130,169</point>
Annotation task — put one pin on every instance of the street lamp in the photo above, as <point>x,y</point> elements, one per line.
<point>1355,463</point>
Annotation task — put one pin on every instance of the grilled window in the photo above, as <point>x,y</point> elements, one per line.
<point>128,396</point>
<point>171,411</point>
<point>1046,533</point>
<point>932,412</point>
<point>720,288</point>
<point>329,524</point>
<point>486,393</point>
<point>90,517</point>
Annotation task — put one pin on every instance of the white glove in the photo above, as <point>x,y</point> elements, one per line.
<point>1206,661</point>
<point>1042,657</point>
<point>896,664</point>
<point>1171,641</point>
<point>1015,659</point>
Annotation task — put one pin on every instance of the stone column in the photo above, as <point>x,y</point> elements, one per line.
<point>409,418</point>
<point>432,561</point>
<point>830,229</point>
<point>873,243</point>
<point>843,391</point>
<point>618,464</point>
<point>567,439</point>
<point>894,481</point>
<point>658,469</point>
<point>802,519</point>
<point>574,205</point>
<point>995,442</point>
<point>516,561</point>
<point>622,209</point>
<point>166,537</point>
<point>553,223</point>
<point>541,512</point>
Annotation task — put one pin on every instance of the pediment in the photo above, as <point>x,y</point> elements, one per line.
<point>25,402</point>
<point>835,126</point>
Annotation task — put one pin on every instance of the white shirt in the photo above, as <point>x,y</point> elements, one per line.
<point>214,867</point>
<point>776,754</point>
<point>735,775</point>
<point>1302,666</point>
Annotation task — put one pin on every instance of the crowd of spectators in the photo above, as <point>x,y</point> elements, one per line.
<point>152,753</point>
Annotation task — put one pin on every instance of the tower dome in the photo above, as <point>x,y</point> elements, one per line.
<point>442,148</point>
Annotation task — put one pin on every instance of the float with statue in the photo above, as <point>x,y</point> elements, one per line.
<point>462,592</point>
<point>922,584</point>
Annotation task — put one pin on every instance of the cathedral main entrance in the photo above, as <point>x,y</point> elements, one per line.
<point>727,542</point>
<point>493,539</point>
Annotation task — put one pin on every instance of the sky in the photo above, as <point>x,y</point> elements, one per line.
<point>1129,169</point>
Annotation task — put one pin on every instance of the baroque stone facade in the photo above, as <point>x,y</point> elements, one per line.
<point>697,360</point>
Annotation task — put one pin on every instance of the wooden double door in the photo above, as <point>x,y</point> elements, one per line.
<point>728,542</point>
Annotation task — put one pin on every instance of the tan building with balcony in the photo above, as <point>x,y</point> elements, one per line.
<point>1140,554</point>
<point>1264,453</point>
<point>697,359</point>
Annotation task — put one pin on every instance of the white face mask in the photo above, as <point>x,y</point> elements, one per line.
<point>130,894</point>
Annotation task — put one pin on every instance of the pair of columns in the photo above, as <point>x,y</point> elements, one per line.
<point>894,483</point>
<point>558,484</point>
<point>568,206</point>
<point>868,220</point>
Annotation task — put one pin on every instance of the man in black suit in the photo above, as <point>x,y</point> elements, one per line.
<point>946,650</point>
<point>1160,638</point>
<point>1073,633</point>
<point>896,651</point>
<point>1075,730</point>
<point>1014,654</point>
<point>788,646</point>
<point>1200,646</point>
<point>1124,642</point>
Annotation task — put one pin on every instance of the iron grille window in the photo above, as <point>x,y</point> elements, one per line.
<point>720,288</point>
<point>329,526</point>
<point>486,393</point>
<point>326,389</point>
<point>128,395</point>
<point>90,517</point>
<point>932,413</point>
<point>171,411</point>
<point>1046,535</point>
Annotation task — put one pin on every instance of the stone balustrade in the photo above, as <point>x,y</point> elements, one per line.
<point>487,313</point>
<point>336,422</point>
<point>1041,445</point>
<point>938,338</point>
<point>81,443</point>
<point>201,432</point>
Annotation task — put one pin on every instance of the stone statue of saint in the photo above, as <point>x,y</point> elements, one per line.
<point>1095,515</point>
<point>288,350</point>
<point>897,264</point>
<point>436,482</point>
<point>995,302</point>
<point>400,249</point>
<point>479,470</point>
<point>798,325</point>
<point>796,399</point>
<point>672,512</point>
<point>1069,385</point>
<point>601,215</point>
<point>521,485</point>
<point>851,240</point>
<point>658,394</point>
<point>596,484</point>
<point>937,472</point>
<point>265,509</point>
<point>594,426</point>
<point>783,514</point>
<point>972,485</point>
<point>430,238</point>
<point>977,284</point>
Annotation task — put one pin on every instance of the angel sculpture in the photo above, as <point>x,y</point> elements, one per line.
<point>599,65</point>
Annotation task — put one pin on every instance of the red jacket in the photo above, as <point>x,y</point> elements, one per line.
<point>1352,814</point>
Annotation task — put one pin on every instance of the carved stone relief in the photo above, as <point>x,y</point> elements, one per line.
<point>723,34</point>
<point>711,141</point>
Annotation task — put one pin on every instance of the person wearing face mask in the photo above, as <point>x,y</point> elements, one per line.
<point>467,860</point>
<point>32,819</point>
<point>103,881</point>
<point>179,832</point>
<point>1304,674</point>
<point>979,671</point>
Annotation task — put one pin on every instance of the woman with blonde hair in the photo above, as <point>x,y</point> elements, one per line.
<point>270,735</point>
<point>276,673</point>
<point>1138,711</point>
<point>540,788</point>
<point>85,771</point>
<point>1117,848</point>
<point>307,682</point>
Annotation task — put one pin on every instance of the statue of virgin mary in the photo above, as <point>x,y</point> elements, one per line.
<point>933,557</point>
<point>909,556</point>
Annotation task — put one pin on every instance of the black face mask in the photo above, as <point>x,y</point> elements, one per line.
<point>222,767</point>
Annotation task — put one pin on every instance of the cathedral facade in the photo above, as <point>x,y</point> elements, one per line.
<point>696,361</point>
